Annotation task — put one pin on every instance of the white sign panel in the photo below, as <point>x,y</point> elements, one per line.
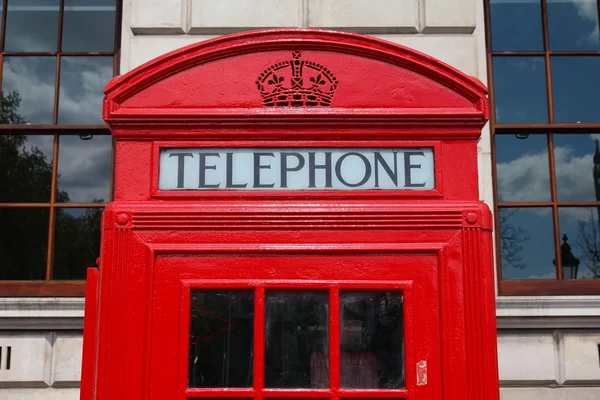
<point>296,169</point>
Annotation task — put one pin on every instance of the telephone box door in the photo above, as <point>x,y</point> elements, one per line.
<point>338,324</point>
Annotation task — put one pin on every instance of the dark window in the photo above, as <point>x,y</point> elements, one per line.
<point>372,333</point>
<point>221,338</point>
<point>296,339</point>
<point>543,59</point>
<point>55,150</point>
<point>354,344</point>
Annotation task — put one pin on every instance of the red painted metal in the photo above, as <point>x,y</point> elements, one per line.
<point>434,246</point>
<point>90,324</point>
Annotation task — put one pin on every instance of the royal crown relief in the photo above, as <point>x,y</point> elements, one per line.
<point>297,83</point>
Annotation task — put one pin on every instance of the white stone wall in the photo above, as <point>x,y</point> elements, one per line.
<point>549,364</point>
<point>40,365</point>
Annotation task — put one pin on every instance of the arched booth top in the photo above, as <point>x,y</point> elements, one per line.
<point>294,89</point>
<point>275,77</point>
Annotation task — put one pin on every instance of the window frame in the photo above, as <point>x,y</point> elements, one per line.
<point>536,287</point>
<point>49,286</point>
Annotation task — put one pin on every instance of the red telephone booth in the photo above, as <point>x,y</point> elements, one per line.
<point>296,216</point>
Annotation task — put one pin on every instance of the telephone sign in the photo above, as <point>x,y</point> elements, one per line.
<point>296,169</point>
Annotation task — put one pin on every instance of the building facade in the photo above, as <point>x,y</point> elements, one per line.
<point>539,163</point>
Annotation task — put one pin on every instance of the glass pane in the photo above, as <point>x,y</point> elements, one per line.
<point>522,168</point>
<point>29,83</point>
<point>25,168</point>
<point>32,25</point>
<point>516,25</point>
<point>84,169</point>
<point>520,85</point>
<point>24,238</point>
<point>580,244</point>
<point>76,242</point>
<point>576,89</point>
<point>297,339</point>
<point>573,25</point>
<point>527,243</point>
<point>89,26</point>
<point>221,338</point>
<point>577,165</point>
<point>372,340</point>
<point>82,81</point>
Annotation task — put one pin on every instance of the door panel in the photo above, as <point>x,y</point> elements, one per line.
<point>328,326</point>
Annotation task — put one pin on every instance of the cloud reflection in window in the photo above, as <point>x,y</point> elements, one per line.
<point>84,169</point>
<point>573,25</point>
<point>82,84</point>
<point>32,25</point>
<point>33,78</point>
<point>520,90</point>
<point>522,168</point>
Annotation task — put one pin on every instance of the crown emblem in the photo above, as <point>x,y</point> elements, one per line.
<point>296,83</point>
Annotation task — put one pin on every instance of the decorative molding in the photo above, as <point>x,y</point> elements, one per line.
<point>480,333</point>
<point>319,219</point>
<point>113,322</point>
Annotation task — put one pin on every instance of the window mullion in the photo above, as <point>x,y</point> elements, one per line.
<point>334,338</point>
<point>4,14</point>
<point>53,184</point>
<point>551,163</point>
<point>259,341</point>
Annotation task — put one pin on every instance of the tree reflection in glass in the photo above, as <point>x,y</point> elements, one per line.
<point>581,225</point>
<point>76,241</point>
<point>527,243</point>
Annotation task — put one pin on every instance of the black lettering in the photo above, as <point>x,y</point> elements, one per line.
<point>338,169</point>
<point>180,166</point>
<point>312,167</point>
<point>230,184</point>
<point>285,169</point>
<point>392,174</point>
<point>408,167</point>
<point>257,167</point>
<point>204,167</point>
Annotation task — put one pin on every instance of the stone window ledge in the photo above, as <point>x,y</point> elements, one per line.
<point>41,313</point>
<point>512,312</point>
<point>547,312</point>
